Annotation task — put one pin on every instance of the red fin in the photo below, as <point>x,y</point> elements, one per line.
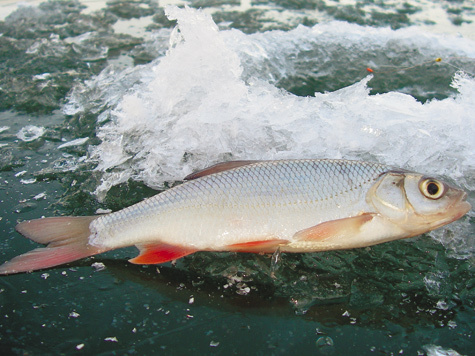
<point>340,228</point>
<point>160,253</point>
<point>220,167</point>
<point>67,239</point>
<point>266,246</point>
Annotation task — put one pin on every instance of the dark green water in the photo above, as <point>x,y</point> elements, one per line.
<point>412,297</point>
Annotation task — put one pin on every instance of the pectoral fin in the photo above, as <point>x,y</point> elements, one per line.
<point>334,229</point>
<point>160,253</point>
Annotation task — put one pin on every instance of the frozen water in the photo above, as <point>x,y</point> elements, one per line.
<point>30,133</point>
<point>435,350</point>
<point>214,97</point>
<point>76,142</point>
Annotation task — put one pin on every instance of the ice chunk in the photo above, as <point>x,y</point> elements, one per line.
<point>98,266</point>
<point>74,314</point>
<point>39,196</point>
<point>434,350</point>
<point>21,173</point>
<point>76,142</point>
<point>30,133</point>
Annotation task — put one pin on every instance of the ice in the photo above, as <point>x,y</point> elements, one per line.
<point>214,343</point>
<point>74,314</point>
<point>76,142</point>
<point>28,181</point>
<point>217,95</point>
<point>98,266</point>
<point>435,350</point>
<point>50,46</point>
<point>111,339</point>
<point>30,133</point>
<point>21,173</point>
<point>40,196</point>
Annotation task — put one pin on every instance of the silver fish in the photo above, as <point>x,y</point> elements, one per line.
<point>256,206</point>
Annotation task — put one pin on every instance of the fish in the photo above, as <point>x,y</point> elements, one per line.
<point>294,205</point>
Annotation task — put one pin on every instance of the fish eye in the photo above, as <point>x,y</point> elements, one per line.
<point>432,188</point>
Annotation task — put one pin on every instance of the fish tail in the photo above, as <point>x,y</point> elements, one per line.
<point>66,239</point>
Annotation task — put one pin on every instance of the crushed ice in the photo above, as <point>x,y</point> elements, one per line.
<point>30,133</point>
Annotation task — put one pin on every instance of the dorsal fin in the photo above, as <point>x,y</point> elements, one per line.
<point>220,167</point>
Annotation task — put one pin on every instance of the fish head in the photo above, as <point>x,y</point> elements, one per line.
<point>417,203</point>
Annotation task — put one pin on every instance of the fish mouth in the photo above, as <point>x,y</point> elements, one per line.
<point>460,207</point>
<point>453,212</point>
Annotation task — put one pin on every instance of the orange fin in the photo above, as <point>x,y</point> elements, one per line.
<point>160,253</point>
<point>67,239</point>
<point>266,246</point>
<point>340,228</point>
<point>220,167</point>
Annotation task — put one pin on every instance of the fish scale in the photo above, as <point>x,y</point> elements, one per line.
<point>270,192</point>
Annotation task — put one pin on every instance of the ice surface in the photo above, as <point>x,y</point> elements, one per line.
<point>213,97</point>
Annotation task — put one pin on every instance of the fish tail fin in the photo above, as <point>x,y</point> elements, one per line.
<point>66,239</point>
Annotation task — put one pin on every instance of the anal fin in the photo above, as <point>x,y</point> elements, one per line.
<point>264,246</point>
<point>160,253</point>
